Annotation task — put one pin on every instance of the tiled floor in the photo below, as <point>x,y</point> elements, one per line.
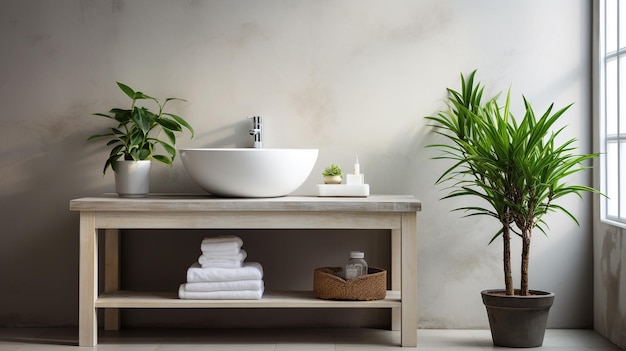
<point>284,339</point>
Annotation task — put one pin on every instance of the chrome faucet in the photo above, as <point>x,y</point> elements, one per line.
<point>257,131</point>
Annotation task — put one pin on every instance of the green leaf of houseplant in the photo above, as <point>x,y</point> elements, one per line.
<point>182,122</point>
<point>127,90</point>
<point>162,159</point>
<point>169,124</point>
<point>168,148</point>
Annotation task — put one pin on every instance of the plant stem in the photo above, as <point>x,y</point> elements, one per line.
<point>508,276</point>
<point>524,290</point>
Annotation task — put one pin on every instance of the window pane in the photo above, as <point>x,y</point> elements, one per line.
<point>611,25</point>
<point>622,169</point>
<point>621,21</point>
<point>621,103</point>
<point>612,177</point>
<point>611,97</point>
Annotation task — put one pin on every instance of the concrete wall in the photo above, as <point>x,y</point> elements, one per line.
<point>348,77</point>
<point>609,243</point>
<point>610,283</point>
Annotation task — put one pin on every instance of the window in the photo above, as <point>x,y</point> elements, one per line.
<point>611,48</point>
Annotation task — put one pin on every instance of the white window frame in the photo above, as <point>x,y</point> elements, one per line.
<point>610,85</point>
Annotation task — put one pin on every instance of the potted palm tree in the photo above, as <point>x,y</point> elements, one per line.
<point>518,171</point>
<point>134,140</point>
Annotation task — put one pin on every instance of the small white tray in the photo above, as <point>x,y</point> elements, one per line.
<point>343,190</point>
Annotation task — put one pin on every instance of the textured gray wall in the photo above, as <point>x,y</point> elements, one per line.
<point>609,242</point>
<point>610,283</point>
<point>348,77</point>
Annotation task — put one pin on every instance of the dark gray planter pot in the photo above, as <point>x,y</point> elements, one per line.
<point>517,321</point>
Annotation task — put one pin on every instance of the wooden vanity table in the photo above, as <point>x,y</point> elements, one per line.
<point>396,213</point>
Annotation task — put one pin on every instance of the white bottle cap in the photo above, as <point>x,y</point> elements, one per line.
<point>357,254</point>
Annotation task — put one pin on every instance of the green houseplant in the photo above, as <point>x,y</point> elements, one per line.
<point>518,170</point>
<point>135,137</point>
<point>332,174</point>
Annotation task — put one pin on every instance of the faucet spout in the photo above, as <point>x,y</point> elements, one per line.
<point>257,131</point>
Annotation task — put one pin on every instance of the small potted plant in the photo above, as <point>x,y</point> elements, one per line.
<point>332,174</point>
<point>518,169</point>
<point>134,140</point>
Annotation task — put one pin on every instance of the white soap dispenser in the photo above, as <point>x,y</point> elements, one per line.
<point>357,178</point>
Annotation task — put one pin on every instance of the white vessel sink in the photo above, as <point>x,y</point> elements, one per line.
<point>249,172</point>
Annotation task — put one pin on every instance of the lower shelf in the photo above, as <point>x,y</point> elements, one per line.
<point>271,299</point>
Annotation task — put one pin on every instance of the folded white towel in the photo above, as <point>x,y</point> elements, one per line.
<point>233,261</point>
<point>237,285</point>
<point>220,295</point>
<point>240,254</point>
<point>221,253</point>
<point>248,271</point>
<point>221,243</point>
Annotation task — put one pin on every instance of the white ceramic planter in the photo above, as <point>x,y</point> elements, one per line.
<point>132,178</point>
<point>332,179</point>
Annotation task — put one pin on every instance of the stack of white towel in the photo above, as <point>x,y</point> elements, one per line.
<point>221,272</point>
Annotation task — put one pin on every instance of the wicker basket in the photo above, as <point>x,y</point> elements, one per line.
<point>328,286</point>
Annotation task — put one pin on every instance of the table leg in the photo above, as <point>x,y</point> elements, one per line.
<point>111,275</point>
<point>396,267</point>
<point>88,280</point>
<point>409,280</point>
